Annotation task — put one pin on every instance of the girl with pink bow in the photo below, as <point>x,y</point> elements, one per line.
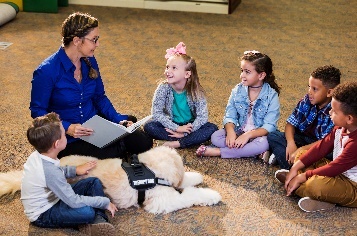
<point>179,106</point>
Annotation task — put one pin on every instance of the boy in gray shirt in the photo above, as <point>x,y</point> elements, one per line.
<point>48,200</point>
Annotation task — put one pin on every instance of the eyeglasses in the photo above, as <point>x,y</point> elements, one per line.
<point>94,40</point>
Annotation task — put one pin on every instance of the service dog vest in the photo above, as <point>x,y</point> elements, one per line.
<point>141,178</point>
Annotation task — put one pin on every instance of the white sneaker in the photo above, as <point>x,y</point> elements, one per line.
<point>272,159</point>
<point>310,205</point>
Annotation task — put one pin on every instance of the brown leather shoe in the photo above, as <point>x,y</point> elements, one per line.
<point>280,175</point>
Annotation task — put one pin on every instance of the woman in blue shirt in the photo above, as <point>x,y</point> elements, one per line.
<point>69,83</point>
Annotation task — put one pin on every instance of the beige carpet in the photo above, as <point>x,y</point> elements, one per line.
<point>298,35</point>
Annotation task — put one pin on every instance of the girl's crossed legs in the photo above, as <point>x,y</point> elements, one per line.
<point>157,131</point>
<point>255,147</point>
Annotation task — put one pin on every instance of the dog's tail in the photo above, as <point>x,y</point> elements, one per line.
<point>10,182</point>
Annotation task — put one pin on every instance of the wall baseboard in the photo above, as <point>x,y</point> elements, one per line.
<point>220,7</point>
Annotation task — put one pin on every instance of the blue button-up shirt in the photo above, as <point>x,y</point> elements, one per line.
<point>305,114</point>
<point>54,89</point>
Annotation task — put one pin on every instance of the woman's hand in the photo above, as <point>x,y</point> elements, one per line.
<point>77,131</point>
<point>112,208</point>
<point>126,123</point>
<point>85,168</point>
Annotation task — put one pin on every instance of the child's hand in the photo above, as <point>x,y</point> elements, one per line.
<point>112,208</point>
<point>230,139</point>
<point>241,140</point>
<point>295,183</point>
<point>296,154</point>
<point>174,134</point>
<point>84,169</point>
<point>292,174</point>
<point>290,149</point>
<point>185,128</point>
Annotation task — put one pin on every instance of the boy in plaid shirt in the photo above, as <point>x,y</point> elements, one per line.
<point>309,122</point>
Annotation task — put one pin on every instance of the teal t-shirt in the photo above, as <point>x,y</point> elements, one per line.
<point>180,110</point>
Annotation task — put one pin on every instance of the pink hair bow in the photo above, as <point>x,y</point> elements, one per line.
<point>180,49</point>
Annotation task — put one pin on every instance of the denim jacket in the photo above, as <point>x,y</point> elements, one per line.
<point>266,110</point>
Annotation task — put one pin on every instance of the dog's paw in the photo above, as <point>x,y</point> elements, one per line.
<point>202,196</point>
<point>191,179</point>
<point>211,197</point>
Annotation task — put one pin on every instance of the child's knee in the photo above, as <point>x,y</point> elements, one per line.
<point>316,187</point>
<point>274,136</point>
<point>148,126</point>
<point>299,154</point>
<point>218,139</point>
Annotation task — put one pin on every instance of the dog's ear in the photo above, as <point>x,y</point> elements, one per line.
<point>165,162</point>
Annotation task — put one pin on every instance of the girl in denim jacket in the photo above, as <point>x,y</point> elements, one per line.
<point>252,111</point>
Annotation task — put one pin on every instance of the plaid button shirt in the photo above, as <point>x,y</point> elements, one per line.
<point>305,113</point>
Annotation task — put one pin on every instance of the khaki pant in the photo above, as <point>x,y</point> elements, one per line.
<point>338,189</point>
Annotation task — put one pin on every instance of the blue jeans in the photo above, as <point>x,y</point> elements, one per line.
<point>156,130</point>
<point>277,145</point>
<point>62,215</point>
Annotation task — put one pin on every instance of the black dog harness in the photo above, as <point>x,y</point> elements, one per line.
<point>141,178</point>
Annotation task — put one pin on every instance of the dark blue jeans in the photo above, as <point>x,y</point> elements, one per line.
<point>62,215</point>
<point>157,131</point>
<point>277,145</point>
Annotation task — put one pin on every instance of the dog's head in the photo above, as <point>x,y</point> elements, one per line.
<point>165,162</point>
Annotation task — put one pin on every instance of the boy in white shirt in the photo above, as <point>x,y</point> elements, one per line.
<point>49,201</point>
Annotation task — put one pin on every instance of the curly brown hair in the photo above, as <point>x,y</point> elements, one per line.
<point>329,75</point>
<point>346,94</point>
<point>44,131</point>
<point>262,63</point>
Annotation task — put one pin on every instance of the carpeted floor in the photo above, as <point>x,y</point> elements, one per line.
<point>298,35</point>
